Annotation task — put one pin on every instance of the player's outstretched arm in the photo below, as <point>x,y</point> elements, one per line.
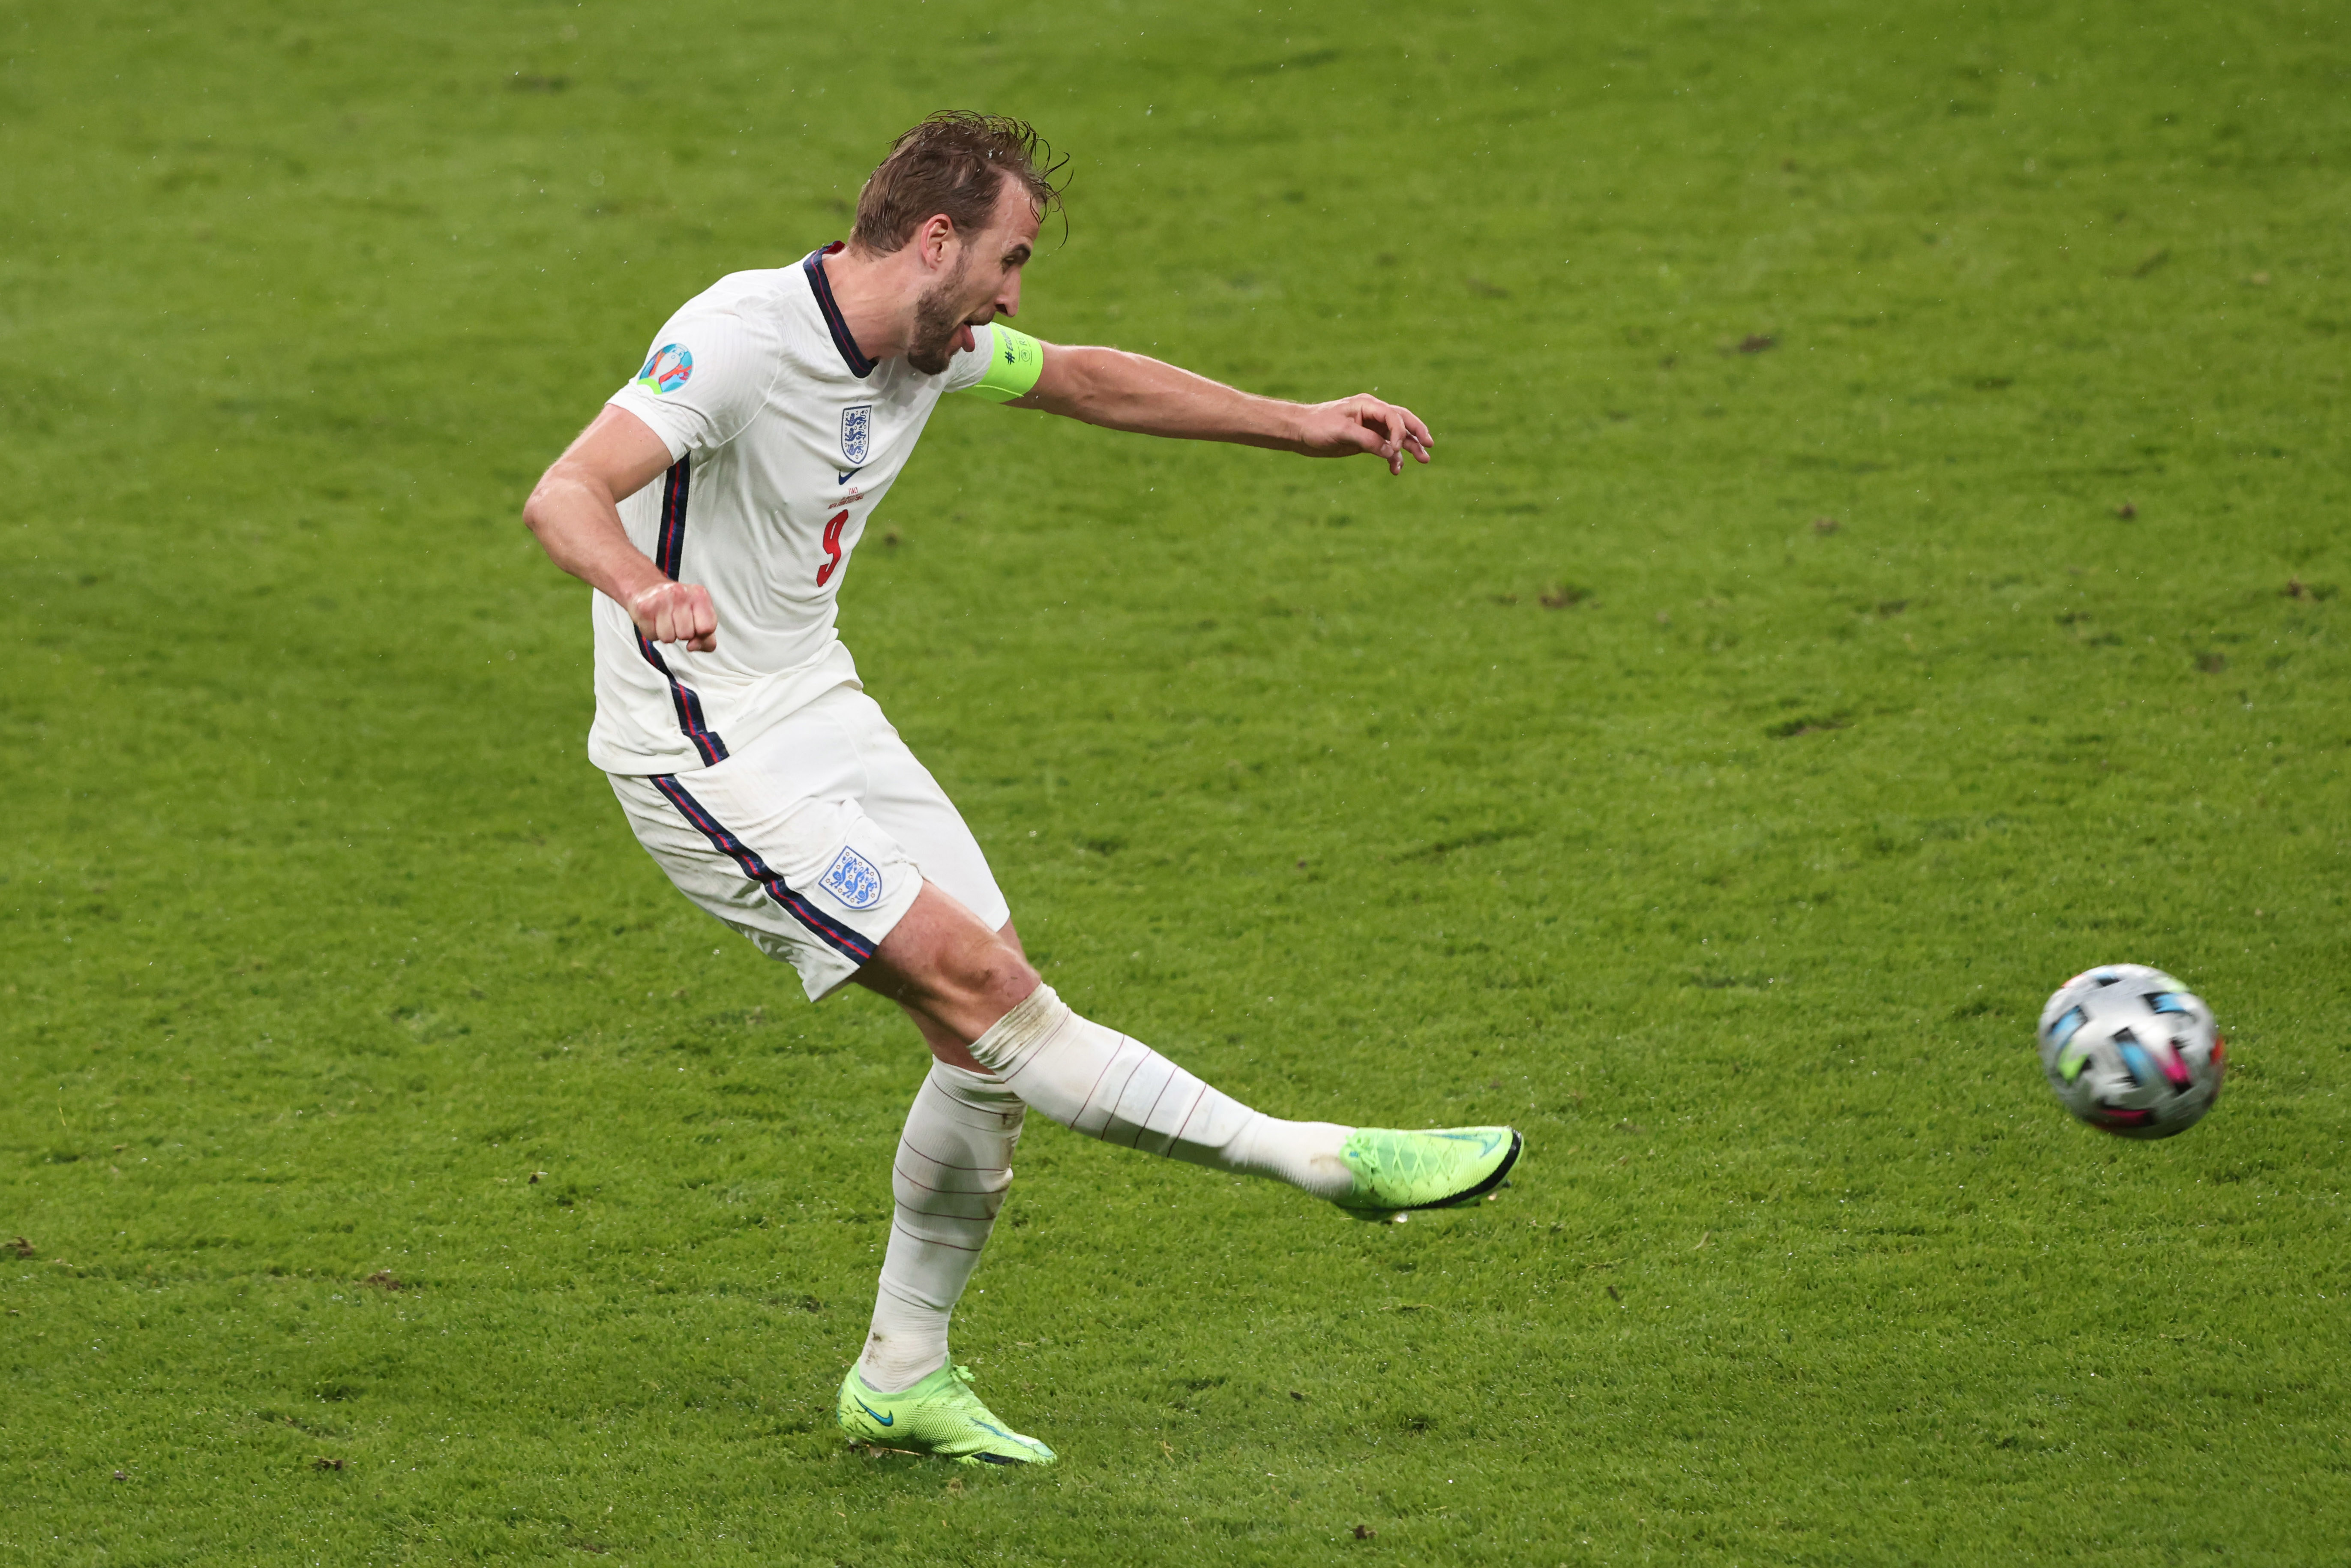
<point>575,511</point>
<point>1119,390</point>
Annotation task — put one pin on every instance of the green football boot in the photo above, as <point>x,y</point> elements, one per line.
<point>1394,1172</point>
<point>937,1415</point>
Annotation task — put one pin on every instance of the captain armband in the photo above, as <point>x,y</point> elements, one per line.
<point>1012,368</point>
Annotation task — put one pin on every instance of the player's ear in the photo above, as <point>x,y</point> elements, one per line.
<point>938,230</point>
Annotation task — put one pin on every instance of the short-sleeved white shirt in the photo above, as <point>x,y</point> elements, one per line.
<point>784,438</point>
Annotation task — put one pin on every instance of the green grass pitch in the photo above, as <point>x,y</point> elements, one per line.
<point>1881,559</point>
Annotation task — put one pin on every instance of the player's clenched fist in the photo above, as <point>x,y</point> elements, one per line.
<point>675,613</point>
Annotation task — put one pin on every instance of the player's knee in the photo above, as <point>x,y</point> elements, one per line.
<point>947,968</point>
<point>994,976</point>
<point>974,983</point>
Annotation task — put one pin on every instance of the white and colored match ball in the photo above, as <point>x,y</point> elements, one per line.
<point>2130,1049</point>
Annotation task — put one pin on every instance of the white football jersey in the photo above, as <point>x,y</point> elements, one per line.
<point>785,439</point>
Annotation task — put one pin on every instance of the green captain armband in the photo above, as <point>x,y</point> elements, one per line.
<point>1013,368</point>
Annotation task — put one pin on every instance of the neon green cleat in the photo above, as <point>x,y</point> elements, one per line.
<point>1398,1171</point>
<point>937,1415</point>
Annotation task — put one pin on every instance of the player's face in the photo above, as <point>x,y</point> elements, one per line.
<point>984,283</point>
<point>997,256</point>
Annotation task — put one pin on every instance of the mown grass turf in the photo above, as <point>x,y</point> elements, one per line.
<point>1709,766</point>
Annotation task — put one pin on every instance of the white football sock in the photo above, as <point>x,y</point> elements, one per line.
<point>955,1162</point>
<point>1097,1082</point>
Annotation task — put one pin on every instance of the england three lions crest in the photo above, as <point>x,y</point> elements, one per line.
<point>856,433</point>
<point>854,879</point>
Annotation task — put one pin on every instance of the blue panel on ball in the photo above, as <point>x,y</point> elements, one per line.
<point>2140,1065</point>
<point>2068,1027</point>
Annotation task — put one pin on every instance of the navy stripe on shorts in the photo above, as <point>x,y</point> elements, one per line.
<point>840,938</point>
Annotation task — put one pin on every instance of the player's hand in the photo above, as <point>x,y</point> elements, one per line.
<point>676,612</point>
<point>1364,423</point>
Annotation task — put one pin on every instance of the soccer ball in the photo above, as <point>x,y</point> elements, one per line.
<point>2131,1050</point>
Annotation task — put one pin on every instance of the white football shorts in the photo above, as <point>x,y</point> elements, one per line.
<point>813,840</point>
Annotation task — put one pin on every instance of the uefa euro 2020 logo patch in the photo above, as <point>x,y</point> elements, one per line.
<point>856,433</point>
<point>852,880</point>
<point>668,370</point>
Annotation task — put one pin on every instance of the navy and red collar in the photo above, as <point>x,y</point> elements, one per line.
<point>813,264</point>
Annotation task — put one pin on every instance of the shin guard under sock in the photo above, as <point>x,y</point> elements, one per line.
<point>955,1162</point>
<point>1098,1082</point>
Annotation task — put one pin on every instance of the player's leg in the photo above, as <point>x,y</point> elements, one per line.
<point>960,981</point>
<point>954,1161</point>
<point>771,840</point>
<point>942,964</point>
<point>953,1168</point>
<point>948,1182</point>
<point>953,962</point>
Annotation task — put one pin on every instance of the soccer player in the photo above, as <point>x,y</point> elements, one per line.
<point>714,506</point>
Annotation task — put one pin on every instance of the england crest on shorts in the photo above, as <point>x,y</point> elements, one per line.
<point>856,433</point>
<point>852,880</point>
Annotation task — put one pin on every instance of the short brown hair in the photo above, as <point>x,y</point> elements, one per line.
<point>954,162</point>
